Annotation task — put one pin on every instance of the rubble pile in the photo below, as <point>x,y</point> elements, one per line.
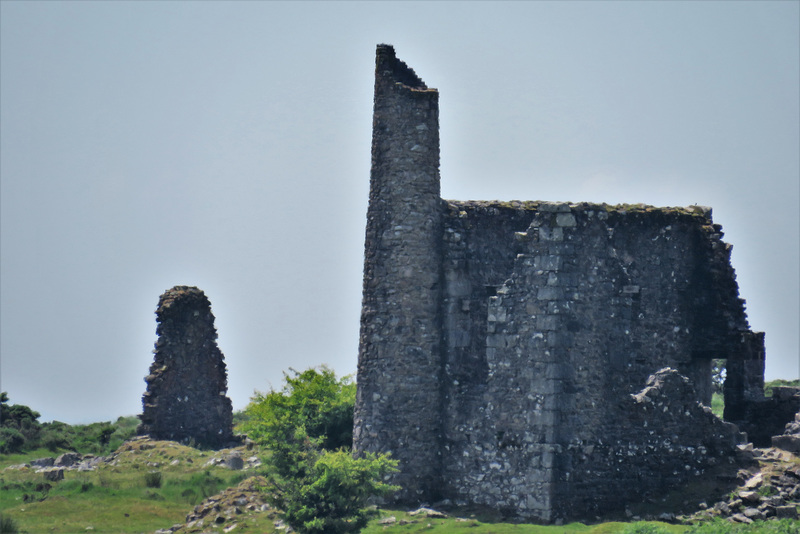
<point>222,510</point>
<point>770,490</point>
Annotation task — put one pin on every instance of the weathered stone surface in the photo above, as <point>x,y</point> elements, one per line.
<point>186,389</point>
<point>402,286</point>
<point>234,461</point>
<point>789,511</point>
<point>769,490</point>
<point>504,345</point>
<point>53,474</point>
<point>226,506</point>
<point>750,496</point>
<point>67,459</point>
<point>789,442</point>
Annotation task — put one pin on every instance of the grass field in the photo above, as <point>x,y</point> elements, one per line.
<point>129,498</point>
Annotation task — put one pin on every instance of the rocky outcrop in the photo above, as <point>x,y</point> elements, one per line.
<point>186,397</point>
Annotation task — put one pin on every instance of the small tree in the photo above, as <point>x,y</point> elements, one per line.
<point>314,400</point>
<point>313,478</point>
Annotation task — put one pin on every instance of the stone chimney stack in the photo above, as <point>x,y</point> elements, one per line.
<point>186,389</point>
<point>400,361</point>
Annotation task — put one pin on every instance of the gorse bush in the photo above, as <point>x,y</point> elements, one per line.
<point>313,479</point>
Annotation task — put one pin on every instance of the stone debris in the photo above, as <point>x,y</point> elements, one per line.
<point>43,462</point>
<point>53,474</point>
<point>428,512</point>
<point>769,491</point>
<point>68,459</point>
<point>234,460</point>
<point>225,509</point>
<point>53,468</point>
<point>790,439</point>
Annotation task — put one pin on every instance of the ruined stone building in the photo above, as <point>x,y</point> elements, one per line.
<point>506,347</point>
<point>186,391</point>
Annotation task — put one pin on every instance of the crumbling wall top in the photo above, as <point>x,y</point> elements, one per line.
<point>544,206</point>
<point>386,62</point>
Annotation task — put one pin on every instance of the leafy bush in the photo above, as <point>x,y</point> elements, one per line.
<point>314,400</point>
<point>312,477</point>
<point>332,494</point>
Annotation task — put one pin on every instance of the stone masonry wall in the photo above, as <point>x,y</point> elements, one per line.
<point>401,313</point>
<point>186,397</point>
<point>504,345</point>
<point>597,299</point>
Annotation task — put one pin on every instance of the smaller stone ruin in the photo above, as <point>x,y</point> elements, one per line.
<point>186,397</point>
<point>790,439</point>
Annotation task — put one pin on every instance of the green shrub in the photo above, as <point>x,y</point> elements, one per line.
<point>19,427</point>
<point>311,476</point>
<point>152,479</point>
<point>314,400</point>
<point>207,483</point>
<point>330,496</point>
<point>8,525</point>
<point>190,496</point>
<point>54,440</point>
<point>11,440</point>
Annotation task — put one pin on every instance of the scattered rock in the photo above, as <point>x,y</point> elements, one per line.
<point>68,459</point>
<point>223,508</point>
<point>769,491</point>
<point>53,474</point>
<point>43,462</point>
<point>17,467</point>
<point>234,461</point>
<point>741,518</point>
<point>427,512</point>
<point>750,496</point>
<point>789,512</point>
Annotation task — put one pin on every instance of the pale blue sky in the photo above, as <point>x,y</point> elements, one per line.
<point>227,146</point>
